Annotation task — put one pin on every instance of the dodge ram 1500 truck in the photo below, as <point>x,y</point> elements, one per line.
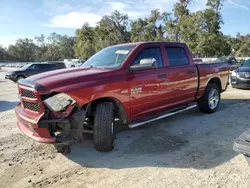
<point>135,83</point>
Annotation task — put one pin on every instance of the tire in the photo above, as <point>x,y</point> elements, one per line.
<point>205,104</point>
<point>103,134</point>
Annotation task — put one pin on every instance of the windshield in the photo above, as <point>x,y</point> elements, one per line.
<point>246,63</point>
<point>25,67</point>
<point>111,57</point>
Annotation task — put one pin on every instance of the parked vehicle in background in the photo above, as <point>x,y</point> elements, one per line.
<point>70,63</point>
<point>135,83</point>
<point>242,145</point>
<point>241,61</point>
<point>32,69</point>
<point>232,61</point>
<point>240,78</point>
<point>198,60</point>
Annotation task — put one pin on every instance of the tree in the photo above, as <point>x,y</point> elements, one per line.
<point>150,28</point>
<point>216,5</point>
<point>212,42</point>
<point>3,54</point>
<point>241,45</point>
<point>84,46</point>
<point>23,50</point>
<point>66,47</point>
<point>174,25</point>
<point>200,30</point>
<point>112,30</point>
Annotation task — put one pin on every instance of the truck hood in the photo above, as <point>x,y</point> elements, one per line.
<point>65,80</point>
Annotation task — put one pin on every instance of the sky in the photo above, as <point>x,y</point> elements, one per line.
<point>30,18</point>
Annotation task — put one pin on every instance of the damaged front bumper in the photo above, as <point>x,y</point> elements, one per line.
<point>43,130</point>
<point>28,124</point>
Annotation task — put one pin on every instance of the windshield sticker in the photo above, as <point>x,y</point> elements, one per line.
<point>122,52</point>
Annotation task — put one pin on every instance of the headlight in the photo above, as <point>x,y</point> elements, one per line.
<point>245,75</point>
<point>234,73</point>
<point>58,102</point>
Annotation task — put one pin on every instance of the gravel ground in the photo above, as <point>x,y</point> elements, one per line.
<point>187,150</point>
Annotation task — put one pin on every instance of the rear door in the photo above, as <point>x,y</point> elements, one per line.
<point>182,81</point>
<point>147,86</point>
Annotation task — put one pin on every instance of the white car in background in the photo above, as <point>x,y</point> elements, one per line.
<point>70,63</point>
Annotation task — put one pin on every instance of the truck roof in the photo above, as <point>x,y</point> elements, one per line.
<point>150,42</point>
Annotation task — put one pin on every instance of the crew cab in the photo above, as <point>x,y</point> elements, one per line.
<point>134,83</point>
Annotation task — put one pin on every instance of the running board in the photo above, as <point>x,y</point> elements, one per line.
<point>134,125</point>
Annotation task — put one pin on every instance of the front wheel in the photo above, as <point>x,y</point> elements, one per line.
<point>103,134</point>
<point>210,101</point>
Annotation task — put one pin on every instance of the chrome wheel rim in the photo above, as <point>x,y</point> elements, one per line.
<point>213,98</point>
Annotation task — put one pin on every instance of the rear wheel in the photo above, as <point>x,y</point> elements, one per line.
<point>210,101</point>
<point>103,134</point>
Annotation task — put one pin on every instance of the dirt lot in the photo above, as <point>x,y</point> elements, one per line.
<point>188,150</point>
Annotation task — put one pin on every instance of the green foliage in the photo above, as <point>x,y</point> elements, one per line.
<point>109,31</point>
<point>241,45</point>
<point>23,50</point>
<point>149,29</point>
<point>4,56</point>
<point>54,47</point>
<point>84,46</point>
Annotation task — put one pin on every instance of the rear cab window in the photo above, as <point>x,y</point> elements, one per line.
<point>151,52</point>
<point>176,56</point>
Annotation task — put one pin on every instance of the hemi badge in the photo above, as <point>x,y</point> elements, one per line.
<point>124,91</point>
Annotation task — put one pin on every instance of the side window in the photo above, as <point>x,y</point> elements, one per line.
<point>32,67</point>
<point>39,68</point>
<point>47,67</point>
<point>177,56</point>
<point>150,53</point>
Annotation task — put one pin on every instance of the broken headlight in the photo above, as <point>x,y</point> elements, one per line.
<point>59,102</point>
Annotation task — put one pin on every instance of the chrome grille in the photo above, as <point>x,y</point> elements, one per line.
<point>28,93</point>
<point>31,106</point>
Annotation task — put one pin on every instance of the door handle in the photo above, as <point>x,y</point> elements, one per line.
<point>162,76</point>
<point>191,71</point>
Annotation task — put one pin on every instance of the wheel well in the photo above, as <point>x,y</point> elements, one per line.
<point>119,109</point>
<point>20,76</point>
<point>216,81</point>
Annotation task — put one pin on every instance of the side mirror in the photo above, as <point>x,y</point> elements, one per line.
<point>145,64</point>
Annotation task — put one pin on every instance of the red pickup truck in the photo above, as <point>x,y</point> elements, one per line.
<point>135,83</point>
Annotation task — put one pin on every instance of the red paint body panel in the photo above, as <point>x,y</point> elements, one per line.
<point>84,85</point>
<point>210,71</point>
<point>27,124</point>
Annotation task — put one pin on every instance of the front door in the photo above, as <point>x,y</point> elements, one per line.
<point>147,86</point>
<point>31,70</point>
